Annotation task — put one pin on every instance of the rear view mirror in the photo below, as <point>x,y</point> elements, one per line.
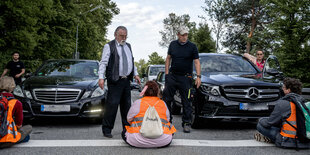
<point>272,72</point>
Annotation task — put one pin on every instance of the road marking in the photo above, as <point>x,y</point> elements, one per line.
<point>175,142</point>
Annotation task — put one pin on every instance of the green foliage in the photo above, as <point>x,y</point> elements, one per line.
<point>42,30</point>
<point>171,25</point>
<point>201,36</point>
<point>203,39</point>
<point>291,32</point>
<point>155,59</point>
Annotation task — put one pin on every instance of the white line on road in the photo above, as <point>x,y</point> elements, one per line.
<point>175,142</point>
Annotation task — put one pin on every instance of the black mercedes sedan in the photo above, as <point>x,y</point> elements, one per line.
<point>63,88</point>
<point>232,88</point>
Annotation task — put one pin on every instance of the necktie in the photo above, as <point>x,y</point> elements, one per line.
<point>125,61</point>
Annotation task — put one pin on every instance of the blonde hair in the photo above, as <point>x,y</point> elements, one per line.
<point>7,84</point>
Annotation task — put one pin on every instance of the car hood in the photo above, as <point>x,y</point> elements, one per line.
<point>59,81</point>
<point>222,79</point>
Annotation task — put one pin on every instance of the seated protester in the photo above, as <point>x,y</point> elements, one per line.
<point>258,60</point>
<point>274,128</point>
<point>135,117</point>
<point>14,114</point>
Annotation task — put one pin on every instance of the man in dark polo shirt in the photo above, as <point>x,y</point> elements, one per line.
<point>181,54</point>
<point>16,67</point>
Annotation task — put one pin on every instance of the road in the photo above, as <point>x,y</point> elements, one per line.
<point>76,136</point>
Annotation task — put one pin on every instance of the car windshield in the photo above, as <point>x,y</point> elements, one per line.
<point>230,65</point>
<point>69,68</point>
<point>155,70</point>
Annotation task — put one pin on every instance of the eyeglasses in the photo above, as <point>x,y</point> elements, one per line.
<point>123,36</point>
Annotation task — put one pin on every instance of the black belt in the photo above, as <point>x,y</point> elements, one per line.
<point>123,77</point>
<point>186,74</point>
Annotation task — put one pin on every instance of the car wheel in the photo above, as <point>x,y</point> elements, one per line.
<point>175,109</point>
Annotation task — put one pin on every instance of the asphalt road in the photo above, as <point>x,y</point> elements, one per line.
<point>76,136</point>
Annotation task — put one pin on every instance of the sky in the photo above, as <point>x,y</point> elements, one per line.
<point>144,20</point>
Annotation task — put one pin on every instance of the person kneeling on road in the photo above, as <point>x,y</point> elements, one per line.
<point>137,114</point>
<point>16,133</point>
<point>276,128</point>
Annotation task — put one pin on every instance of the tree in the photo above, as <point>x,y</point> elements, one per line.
<point>215,9</point>
<point>243,20</point>
<point>290,28</point>
<point>42,30</point>
<point>203,39</point>
<point>155,59</point>
<point>171,24</point>
<point>141,67</point>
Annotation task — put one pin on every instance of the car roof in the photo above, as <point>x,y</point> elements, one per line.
<point>156,65</point>
<point>73,60</point>
<point>217,54</point>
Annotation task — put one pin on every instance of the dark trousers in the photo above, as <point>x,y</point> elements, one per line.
<point>271,133</point>
<point>182,83</point>
<point>118,94</point>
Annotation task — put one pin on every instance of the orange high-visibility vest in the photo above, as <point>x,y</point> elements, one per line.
<point>161,109</point>
<point>287,130</point>
<point>13,135</point>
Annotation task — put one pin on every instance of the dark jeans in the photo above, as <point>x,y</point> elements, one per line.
<point>182,83</point>
<point>118,94</point>
<point>268,132</point>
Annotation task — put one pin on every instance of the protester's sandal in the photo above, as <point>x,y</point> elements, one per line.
<point>261,138</point>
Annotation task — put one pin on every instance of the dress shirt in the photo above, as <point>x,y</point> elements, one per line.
<point>105,59</point>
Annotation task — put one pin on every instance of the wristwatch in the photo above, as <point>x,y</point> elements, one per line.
<point>199,76</point>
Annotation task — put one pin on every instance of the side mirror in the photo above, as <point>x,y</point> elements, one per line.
<point>143,75</point>
<point>272,72</point>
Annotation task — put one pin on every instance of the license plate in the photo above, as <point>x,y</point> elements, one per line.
<point>253,106</point>
<point>55,108</point>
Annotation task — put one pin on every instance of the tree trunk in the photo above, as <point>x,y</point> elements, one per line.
<point>253,25</point>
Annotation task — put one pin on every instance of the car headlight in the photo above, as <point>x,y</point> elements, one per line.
<point>28,94</point>
<point>210,89</point>
<point>97,92</point>
<point>18,91</point>
<point>86,94</point>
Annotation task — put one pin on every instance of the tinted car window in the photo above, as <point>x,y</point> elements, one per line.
<point>155,70</point>
<point>69,68</point>
<point>226,65</point>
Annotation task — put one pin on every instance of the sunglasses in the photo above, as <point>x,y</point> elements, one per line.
<point>259,54</point>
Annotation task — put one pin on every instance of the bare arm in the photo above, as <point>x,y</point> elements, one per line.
<point>167,64</point>
<point>197,66</point>
<point>4,72</point>
<point>250,57</point>
<point>21,73</point>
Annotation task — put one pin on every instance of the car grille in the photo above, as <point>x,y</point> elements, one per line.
<point>56,95</point>
<point>252,94</point>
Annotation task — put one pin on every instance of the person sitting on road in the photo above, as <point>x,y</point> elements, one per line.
<point>274,128</point>
<point>258,60</point>
<point>135,117</point>
<point>14,115</point>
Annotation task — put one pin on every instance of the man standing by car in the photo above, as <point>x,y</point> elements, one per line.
<point>118,64</point>
<point>181,54</point>
<point>16,67</point>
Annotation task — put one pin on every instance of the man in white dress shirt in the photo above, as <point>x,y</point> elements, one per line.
<point>117,66</point>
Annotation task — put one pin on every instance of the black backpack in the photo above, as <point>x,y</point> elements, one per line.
<point>302,120</point>
<point>3,116</point>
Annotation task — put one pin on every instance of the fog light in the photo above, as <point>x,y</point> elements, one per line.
<point>95,110</point>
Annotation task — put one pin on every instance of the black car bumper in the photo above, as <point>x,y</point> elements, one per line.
<point>210,106</point>
<point>88,108</point>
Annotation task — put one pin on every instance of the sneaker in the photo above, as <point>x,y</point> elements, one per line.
<point>186,128</point>
<point>108,135</point>
<point>261,138</point>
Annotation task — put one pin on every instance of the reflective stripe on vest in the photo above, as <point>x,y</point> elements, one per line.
<point>13,135</point>
<point>161,109</point>
<point>287,130</point>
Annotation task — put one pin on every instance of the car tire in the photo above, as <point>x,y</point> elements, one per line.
<point>175,109</point>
